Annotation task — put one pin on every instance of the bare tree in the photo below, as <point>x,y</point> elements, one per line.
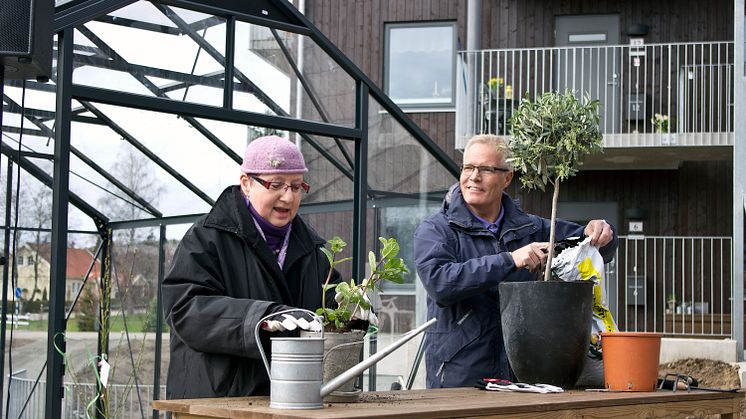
<point>133,255</point>
<point>34,214</point>
<point>136,172</point>
<point>39,214</point>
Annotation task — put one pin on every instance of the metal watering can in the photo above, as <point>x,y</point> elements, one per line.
<point>296,375</point>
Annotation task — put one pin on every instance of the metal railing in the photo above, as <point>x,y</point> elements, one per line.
<point>79,400</point>
<point>651,95</point>
<point>672,285</point>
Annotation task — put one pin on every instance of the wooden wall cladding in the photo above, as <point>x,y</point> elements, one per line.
<point>695,200</point>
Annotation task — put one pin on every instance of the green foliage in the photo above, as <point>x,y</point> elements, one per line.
<point>351,295</point>
<point>552,135</point>
<point>88,315</point>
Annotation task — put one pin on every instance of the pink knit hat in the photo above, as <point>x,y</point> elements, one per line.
<point>272,154</point>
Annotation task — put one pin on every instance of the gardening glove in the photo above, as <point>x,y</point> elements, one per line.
<point>360,313</point>
<point>290,321</point>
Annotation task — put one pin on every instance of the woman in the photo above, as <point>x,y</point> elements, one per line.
<point>249,257</point>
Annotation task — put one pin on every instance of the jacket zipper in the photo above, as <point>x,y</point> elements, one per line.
<point>443,364</point>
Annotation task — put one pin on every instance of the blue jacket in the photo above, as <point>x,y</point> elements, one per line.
<point>460,264</point>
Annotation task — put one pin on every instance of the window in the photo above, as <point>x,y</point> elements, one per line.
<point>19,260</point>
<point>29,260</point>
<point>420,64</point>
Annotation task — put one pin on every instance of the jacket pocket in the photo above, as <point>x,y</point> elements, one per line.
<point>447,345</point>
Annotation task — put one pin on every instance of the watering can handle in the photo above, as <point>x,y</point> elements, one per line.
<point>269,316</point>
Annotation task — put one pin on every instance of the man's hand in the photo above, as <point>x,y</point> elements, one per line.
<point>600,232</point>
<point>532,256</point>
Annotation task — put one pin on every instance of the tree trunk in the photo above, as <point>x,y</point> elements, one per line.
<point>555,198</point>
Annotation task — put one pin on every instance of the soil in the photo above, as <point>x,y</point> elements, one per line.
<point>709,373</point>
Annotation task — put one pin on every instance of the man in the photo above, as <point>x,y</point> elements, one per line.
<point>479,238</point>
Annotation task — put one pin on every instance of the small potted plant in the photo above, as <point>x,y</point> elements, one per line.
<point>671,303</point>
<point>660,122</point>
<point>351,296</point>
<point>344,331</point>
<point>495,84</point>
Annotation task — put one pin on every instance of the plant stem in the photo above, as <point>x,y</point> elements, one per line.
<point>555,198</point>
<point>368,281</point>
<point>323,290</point>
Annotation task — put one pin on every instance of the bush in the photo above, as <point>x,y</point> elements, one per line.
<point>35,306</point>
<point>88,314</point>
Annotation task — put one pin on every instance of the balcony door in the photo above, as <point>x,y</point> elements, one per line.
<point>586,63</point>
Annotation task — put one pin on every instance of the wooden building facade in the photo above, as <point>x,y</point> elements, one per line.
<point>684,200</point>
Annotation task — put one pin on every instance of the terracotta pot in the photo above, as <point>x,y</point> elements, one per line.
<point>631,360</point>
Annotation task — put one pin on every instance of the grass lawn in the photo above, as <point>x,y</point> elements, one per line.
<point>134,324</point>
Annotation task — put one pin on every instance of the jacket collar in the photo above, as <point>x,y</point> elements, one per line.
<point>230,213</point>
<point>458,213</point>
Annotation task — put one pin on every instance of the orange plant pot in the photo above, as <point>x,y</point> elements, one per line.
<point>631,360</point>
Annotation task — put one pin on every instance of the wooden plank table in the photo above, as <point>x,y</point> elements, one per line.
<point>472,402</point>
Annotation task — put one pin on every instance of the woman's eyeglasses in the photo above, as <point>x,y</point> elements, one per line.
<point>295,188</point>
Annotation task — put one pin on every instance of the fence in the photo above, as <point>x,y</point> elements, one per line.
<point>79,399</point>
<point>688,85</point>
<point>672,285</point>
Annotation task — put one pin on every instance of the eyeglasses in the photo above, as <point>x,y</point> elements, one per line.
<point>467,169</point>
<point>296,188</point>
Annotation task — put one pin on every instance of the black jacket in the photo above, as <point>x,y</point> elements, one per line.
<point>223,279</point>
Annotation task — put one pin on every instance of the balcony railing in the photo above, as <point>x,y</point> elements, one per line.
<point>673,285</point>
<point>688,85</point>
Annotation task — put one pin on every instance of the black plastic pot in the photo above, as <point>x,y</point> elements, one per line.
<point>546,329</point>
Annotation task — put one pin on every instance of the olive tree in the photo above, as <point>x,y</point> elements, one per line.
<point>551,136</point>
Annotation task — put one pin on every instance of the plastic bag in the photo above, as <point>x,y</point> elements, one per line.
<point>583,262</point>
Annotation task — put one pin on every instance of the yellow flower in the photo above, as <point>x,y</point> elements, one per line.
<point>495,83</point>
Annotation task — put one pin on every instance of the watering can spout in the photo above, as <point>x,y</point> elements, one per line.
<point>339,380</point>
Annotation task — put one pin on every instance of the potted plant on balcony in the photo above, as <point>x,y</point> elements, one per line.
<point>495,84</point>
<point>662,125</point>
<point>550,137</point>
<point>670,303</point>
<point>344,332</point>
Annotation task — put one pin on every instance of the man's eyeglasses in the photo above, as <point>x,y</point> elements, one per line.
<point>296,188</point>
<point>467,169</point>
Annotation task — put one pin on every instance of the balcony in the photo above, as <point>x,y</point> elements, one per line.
<point>689,86</point>
<point>679,286</point>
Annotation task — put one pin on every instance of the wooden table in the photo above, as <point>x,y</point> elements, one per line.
<point>470,402</point>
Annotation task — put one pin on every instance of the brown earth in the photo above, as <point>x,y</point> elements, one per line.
<point>709,373</point>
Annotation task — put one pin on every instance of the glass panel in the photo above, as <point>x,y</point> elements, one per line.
<point>328,183</point>
<point>259,57</point>
<point>410,184</point>
<point>177,143</point>
<point>260,62</point>
<point>138,49</point>
<point>396,161</point>
<point>420,62</point>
